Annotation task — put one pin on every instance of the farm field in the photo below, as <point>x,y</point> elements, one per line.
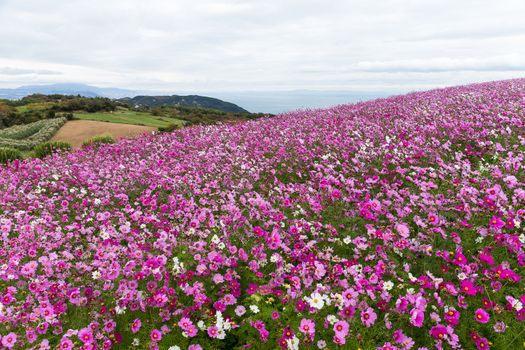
<point>123,116</point>
<point>76,132</point>
<point>25,137</point>
<point>389,224</point>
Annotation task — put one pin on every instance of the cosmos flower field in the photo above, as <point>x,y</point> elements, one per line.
<point>390,224</point>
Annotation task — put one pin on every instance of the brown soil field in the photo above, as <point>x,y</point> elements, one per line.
<point>77,131</point>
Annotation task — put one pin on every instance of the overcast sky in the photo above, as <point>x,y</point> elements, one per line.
<point>221,45</point>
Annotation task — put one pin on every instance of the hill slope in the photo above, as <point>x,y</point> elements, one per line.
<point>395,223</point>
<point>122,95</point>
<point>65,89</point>
<point>187,101</point>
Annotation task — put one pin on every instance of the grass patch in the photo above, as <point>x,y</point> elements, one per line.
<point>130,117</point>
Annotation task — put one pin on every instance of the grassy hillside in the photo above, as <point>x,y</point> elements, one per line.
<point>125,116</point>
<point>390,224</point>
<point>37,107</point>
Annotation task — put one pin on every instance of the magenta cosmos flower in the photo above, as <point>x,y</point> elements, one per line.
<point>156,335</point>
<point>438,332</point>
<point>212,331</point>
<point>135,326</point>
<point>482,316</point>
<point>468,287</point>
<point>85,335</point>
<point>496,222</point>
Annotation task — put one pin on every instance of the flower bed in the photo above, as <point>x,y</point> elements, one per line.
<point>391,224</point>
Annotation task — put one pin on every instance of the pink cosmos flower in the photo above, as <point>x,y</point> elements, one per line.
<point>483,344</point>
<point>417,316</point>
<point>156,335</point>
<point>109,326</point>
<point>452,317</point>
<point>9,340</point>
<point>240,310</point>
<point>433,219</point>
<point>212,331</point>
<point>229,299</point>
<point>500,327</point>
<point>368,317</point>
<point>403,230</point>
<point>438,331</point>
<point>339,340</point>
<point>191,331</point>
<point>482,316</point>
<point>387,346</point>
<point>307,326</point>
<point>185,323</point>
<point>135,326</point>
<point>85,335</point>
<point>66,344</point>
<point>341,328</point>
<point>460,259</point>
<point>496,222</point>
<point>468,287</point>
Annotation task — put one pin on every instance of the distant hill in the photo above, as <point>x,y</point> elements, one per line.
<point>65,89</point>
<point>186,101</point>
<point>121,95</point>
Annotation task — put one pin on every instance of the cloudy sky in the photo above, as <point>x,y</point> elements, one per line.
<point>250,45</point>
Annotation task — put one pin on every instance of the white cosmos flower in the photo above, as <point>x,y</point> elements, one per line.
<point>316,301</point>
<point>388,285</point>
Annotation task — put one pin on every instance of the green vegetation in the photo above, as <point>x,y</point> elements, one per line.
<point>169,128</point>
<point>26,137</point>
<point>125,116</point>
<point>99,140</point>
<point>44,149</point>
<point>194,115</point>
<point>8,154</point>
<point>34,119</point>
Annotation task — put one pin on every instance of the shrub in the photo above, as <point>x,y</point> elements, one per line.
<point>99,140</point>
<point>8,154</point>
<point>169,128</point>
<point>47,148</point>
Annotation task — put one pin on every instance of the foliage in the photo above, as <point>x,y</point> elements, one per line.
<point>99,140</point>
<point>169,128</point>
<point>44,149</point>
<point>8,154</point>
<point>124,116</point>
<point>25,137</point>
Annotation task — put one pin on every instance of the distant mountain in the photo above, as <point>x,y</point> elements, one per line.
<point>188,101</point>
<point>65,89</point>
<point>122,95</point>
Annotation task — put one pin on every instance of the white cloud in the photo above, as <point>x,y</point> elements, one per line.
<point>22,71</point>
<point>447,64</point>
<point>227,45</point>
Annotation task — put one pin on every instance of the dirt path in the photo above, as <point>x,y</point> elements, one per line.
<point>77,131</point>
